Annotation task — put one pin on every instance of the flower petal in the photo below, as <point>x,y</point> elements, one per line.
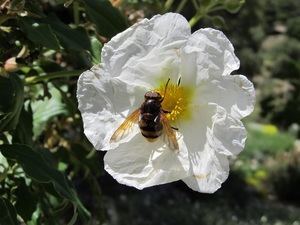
<point>168,159</point>
<point>209,171</point>
<point>211,138</point>
<point>104,103</point>
<point>139,163</point>
<point>147,50</point>
<point>195,130</point>
<point>228,135</point>
<point>235,93</point>
<point>207,53</point>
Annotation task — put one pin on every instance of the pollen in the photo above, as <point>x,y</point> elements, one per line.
<point>176,101</point>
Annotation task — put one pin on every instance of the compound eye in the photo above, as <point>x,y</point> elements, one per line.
<point>147,95</point>
<point>157,96</point>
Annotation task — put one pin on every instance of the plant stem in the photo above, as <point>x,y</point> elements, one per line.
<point>196,6</point>
<point>76,12</point>
<point>51,76</point>
<point>204,11</point>
<point>217,8</point>
<point>195,19</point>
<point>181,5</point>
<point>168,5</point>
<point>98,195</point>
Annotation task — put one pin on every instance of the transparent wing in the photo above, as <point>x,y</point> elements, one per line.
<point>126,126</point>
<point>169,133</point>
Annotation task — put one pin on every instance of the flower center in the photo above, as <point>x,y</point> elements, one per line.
<point>176,101</point>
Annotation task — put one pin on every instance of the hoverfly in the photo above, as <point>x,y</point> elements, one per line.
<point>152,120</point>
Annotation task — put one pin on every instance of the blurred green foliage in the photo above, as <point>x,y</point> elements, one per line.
<point>49,172</point>
<point>264,140</point>
<point>286,176</point>
<point>43,45</point>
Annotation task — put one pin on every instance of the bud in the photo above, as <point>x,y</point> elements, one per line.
<point>11,65</point>
<point>116,3</point>
<point>233,6</point>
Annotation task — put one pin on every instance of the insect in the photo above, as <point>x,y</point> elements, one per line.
<point>152,120</point>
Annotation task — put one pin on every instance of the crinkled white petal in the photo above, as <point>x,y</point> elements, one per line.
<point>141,164</point>
<point>165,158</point>
<point>104,103</point>
<point>208,170</point>
<point>228,135</point>
<point>147,52</point>
<point>207,53</point>
<point>235,93</point>
<point>211,136</point>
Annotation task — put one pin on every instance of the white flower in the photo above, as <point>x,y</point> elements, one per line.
<point>206,107</point>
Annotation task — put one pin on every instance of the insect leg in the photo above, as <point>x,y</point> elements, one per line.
<point>165,111</point>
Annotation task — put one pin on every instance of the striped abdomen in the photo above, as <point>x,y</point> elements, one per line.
<point>149,123</point>
<point>150,126</point>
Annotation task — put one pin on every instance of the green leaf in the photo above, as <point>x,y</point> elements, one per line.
<point>50,32</point>
<point>34,8</point>
<point>39,33</point>
<point>96,50</point>
<point>24,130</point>
<point>36,167</point>
<point>233,6</point>
<point>75,39</point>
<point>108,19</point>
<point>26,202</point>
<point>36,217</point>
<point>11,101</point>
<point>8,213</point>
<point>45,110</point>
<point>6,93</point>
<point>4,168</point>
<point>32,162</point>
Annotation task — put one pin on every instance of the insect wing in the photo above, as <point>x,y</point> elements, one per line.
<point>126,126</point>
<point>169,133</point>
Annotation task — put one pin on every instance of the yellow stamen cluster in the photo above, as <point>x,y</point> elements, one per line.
<point>176,101</point>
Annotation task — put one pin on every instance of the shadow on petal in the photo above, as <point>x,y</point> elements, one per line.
<point>131,164</point>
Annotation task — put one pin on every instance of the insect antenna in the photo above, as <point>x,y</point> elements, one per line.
<point>179,80</point>
<point>165,89</point>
